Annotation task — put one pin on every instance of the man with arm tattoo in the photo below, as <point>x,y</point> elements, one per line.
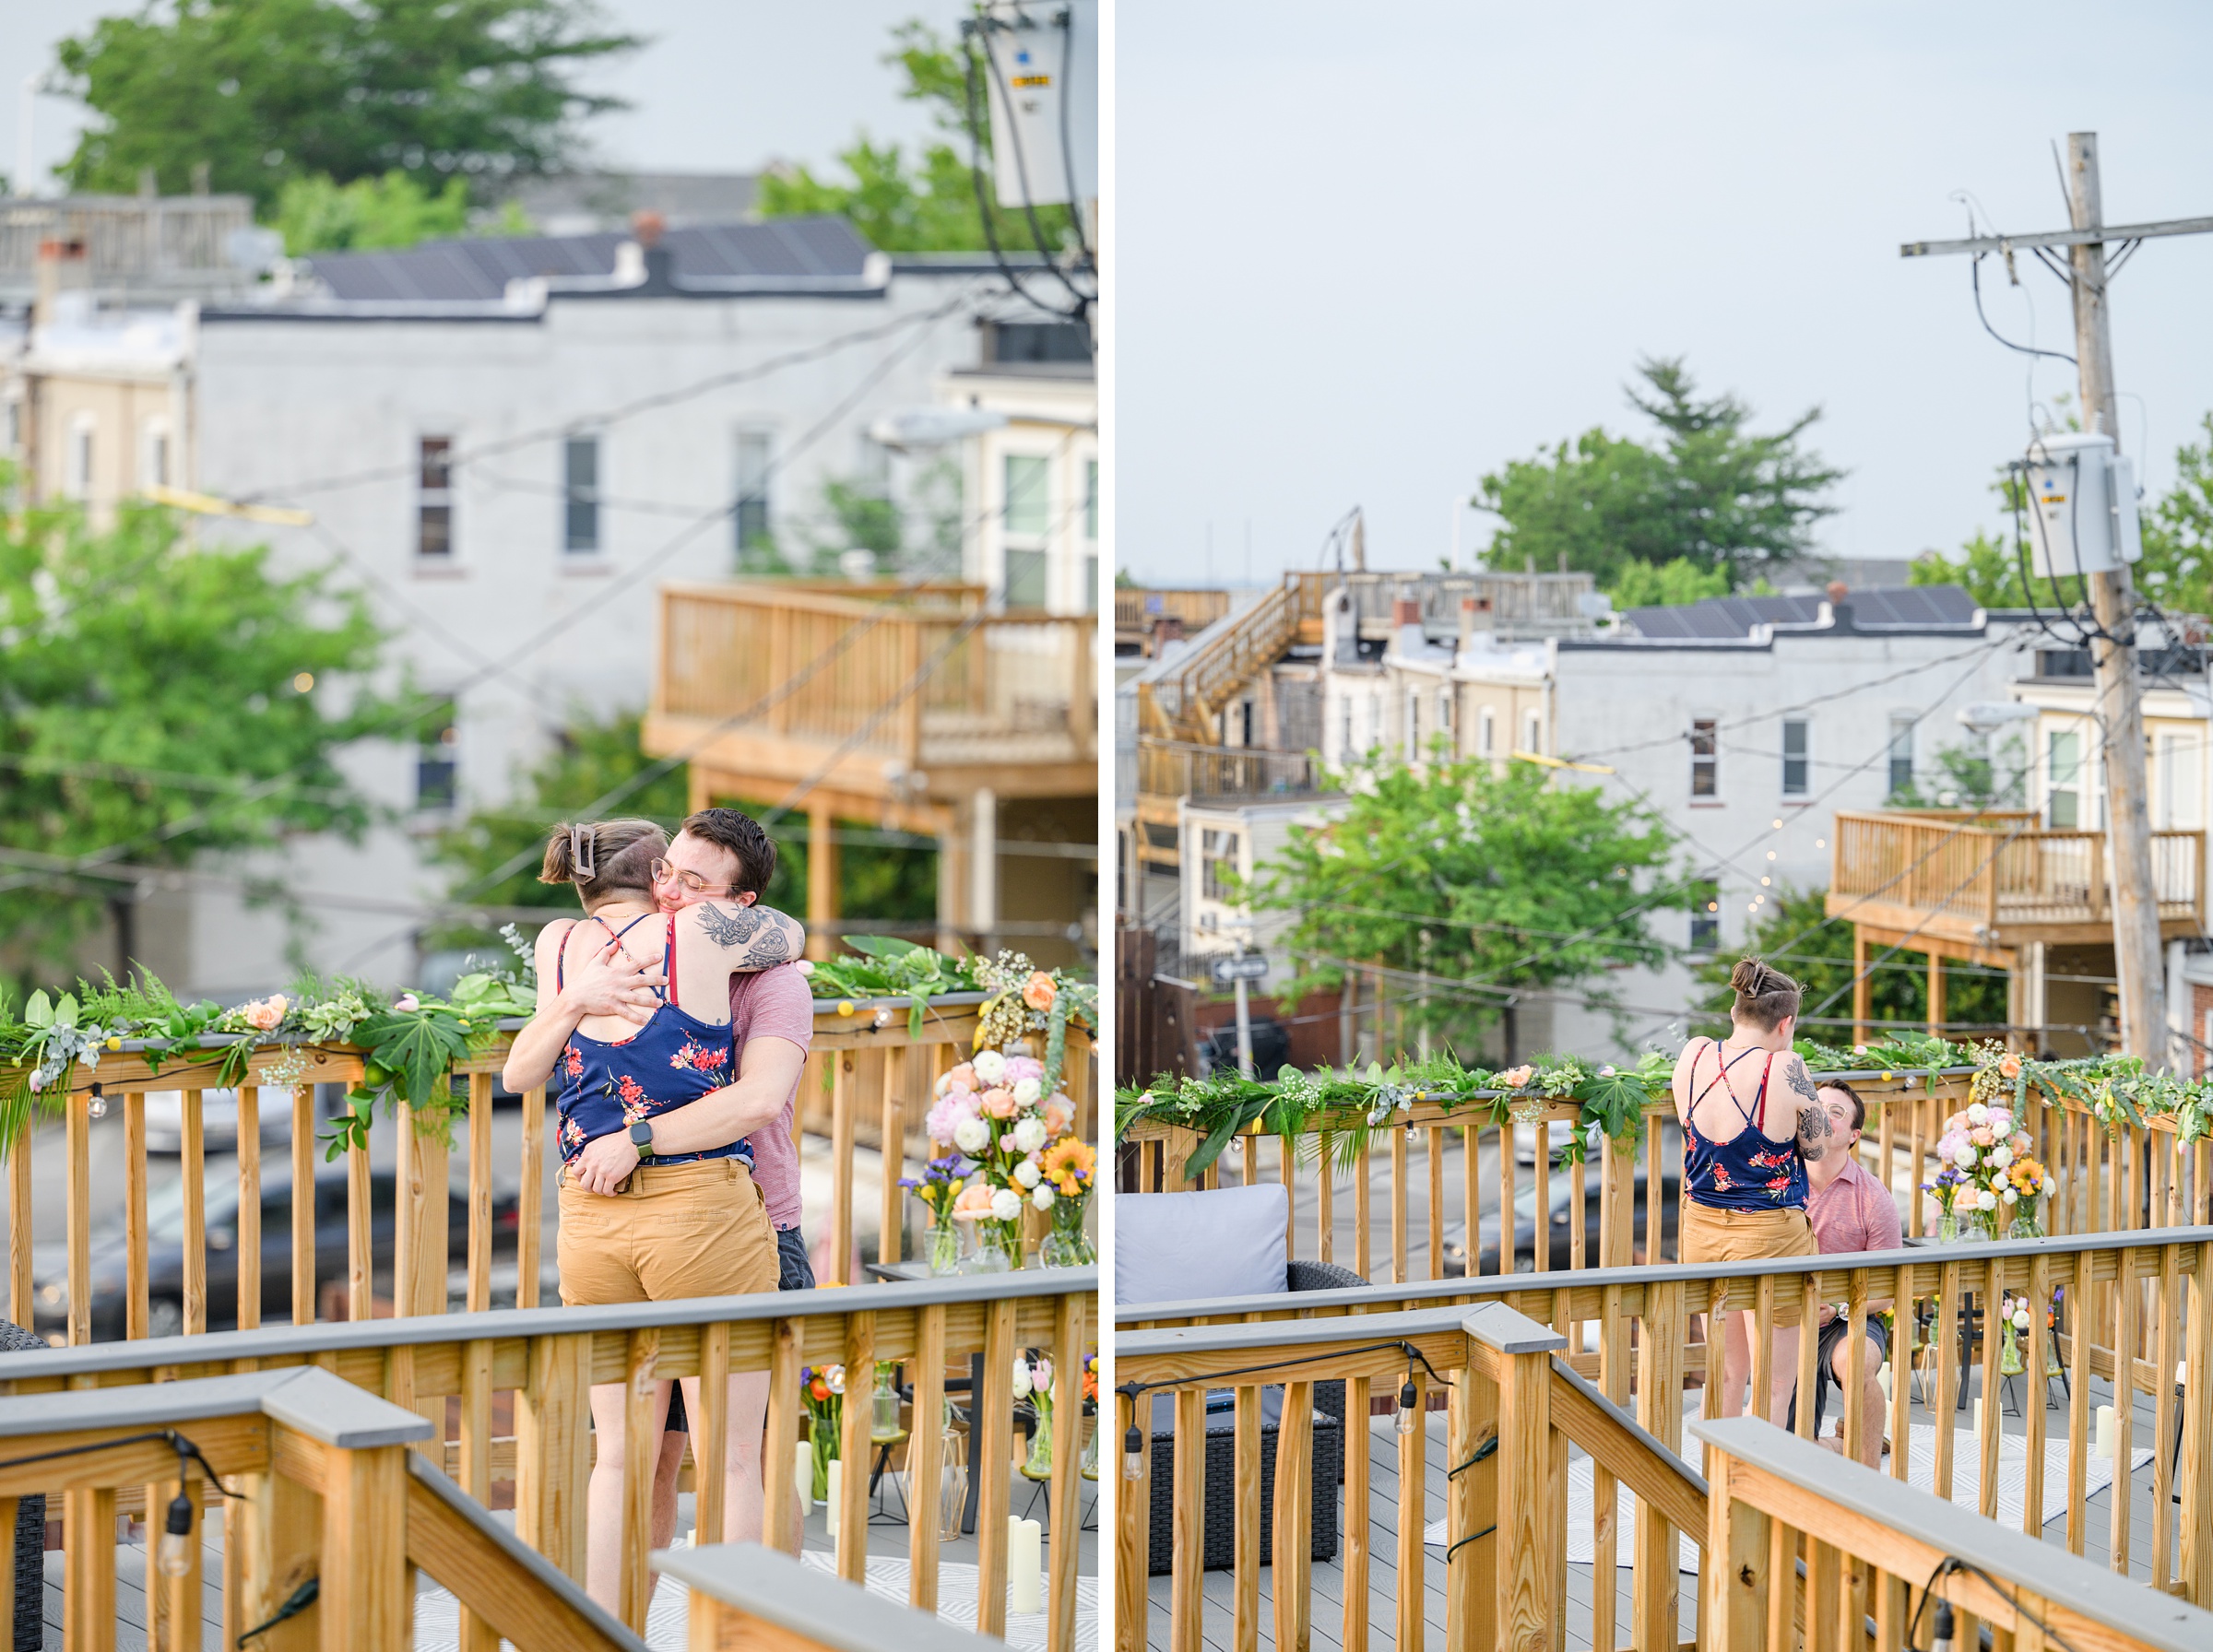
<point>1744,1152</point>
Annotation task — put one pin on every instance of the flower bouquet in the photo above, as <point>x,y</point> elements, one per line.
<point>1034,1384</point>
<point>939,1186</point>
<point>822,1391</point>
<point>1067,1168</point>
<point>1982,1143</point>
<point>1091,1394</point>
<point>995,1110</point>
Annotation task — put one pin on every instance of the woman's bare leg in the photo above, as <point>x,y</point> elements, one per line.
<point>603,1506</point>
<point>742,1498</point>
<point>1783,1374</point>
<point>1736,1360</point>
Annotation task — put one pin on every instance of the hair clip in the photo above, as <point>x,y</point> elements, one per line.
<point>583,858</point>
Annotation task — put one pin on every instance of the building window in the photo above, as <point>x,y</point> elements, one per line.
<point>1797,769</point>
<point>436,743</point>
<point>1901,752</point>
<point>1344,730</point>
<point>1218,865</point>
<point>434,498</point>
<point>1413,726</point>
<point>1533,733</point>
<point>1026,518</point>
<point>1486,732</point>
<point>1705,761</point>
<point>1444,713</point>
<point>78,483</point>
<point>15,426</point>
<point>1091,536</point>
<point>2178,782</point>
<point>2064,790</point>
<point>580,493</point>
<point>153,459</point>
<point>756,463</point>
<point>1704,916</point>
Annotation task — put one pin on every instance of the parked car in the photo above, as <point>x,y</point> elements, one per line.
<point>1560,1226</point>
<point>165,1254</point>
<point>218,1120</point>
<point>1271,1047</point>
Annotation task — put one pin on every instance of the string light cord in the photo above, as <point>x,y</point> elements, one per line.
<point>1952,1563</point>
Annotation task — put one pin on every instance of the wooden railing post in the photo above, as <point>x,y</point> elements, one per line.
<point>2197,1487</point>
<point>1734,1570</point>
<point>363,1602</point>
<point>552,1450</point>
<point>1517,1353</point>
<point>1659,1410</point>
<point>1133,1523</point>
<point>1471,1504</point>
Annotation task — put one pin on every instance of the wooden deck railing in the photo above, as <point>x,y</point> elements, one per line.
<point>2112,1179</point>
<point>1179,769</point>
<point>1874,1549</point>
<point>1136,608</point>
<point>1995,874</point>
<point>321,1485</point>
<point>866,1084</point>
<point>746,1595</point>
<point>543,1362</point>
<point>1647,1334</point>
<point>819,665</point>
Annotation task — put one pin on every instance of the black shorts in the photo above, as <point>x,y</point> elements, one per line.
<point>1825,1374</point>
<point>798,1274</point>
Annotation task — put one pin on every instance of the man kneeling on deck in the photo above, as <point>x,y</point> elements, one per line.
<point>1850,1210</point>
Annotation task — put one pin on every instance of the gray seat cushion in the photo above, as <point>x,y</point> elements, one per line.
<point>1217,1242</point>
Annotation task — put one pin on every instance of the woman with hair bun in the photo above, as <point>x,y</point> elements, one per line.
<point>1751,1122</point>
<point>657,1201</point>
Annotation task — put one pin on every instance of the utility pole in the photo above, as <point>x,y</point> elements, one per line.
<point>2112,594</point>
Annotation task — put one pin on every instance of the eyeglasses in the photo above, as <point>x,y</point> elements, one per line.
<point>692,882</point>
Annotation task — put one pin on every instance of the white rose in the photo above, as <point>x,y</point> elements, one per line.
<point>971,1135</point>
<point>1021,1379</point>
<point>1027,1173</point>
<point>1042,1195</point>
<point>1006,1204</point>
<point>2051,1185</point>
<point>1965,1157</point>
<point>1986,1200</point>
<point>2000,1156</point>
<point>2010,1197</point>
<point>1026,1093</point>
<point>1978,1114</point>
<point>2001,1122</point>
<point>2020,1318</point>
<point>991,1067</point>
<point>1029,1135</point>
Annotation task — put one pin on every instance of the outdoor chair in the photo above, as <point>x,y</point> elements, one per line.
<point>1226,1241</point>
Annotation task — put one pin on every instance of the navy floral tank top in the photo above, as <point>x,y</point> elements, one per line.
<point>1747,1172</point>
<point>673,1059</point>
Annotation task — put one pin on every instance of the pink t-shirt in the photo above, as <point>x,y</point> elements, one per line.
<point>774,1003</point>
<point>1853,1213</point>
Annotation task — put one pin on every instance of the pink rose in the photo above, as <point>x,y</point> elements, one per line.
<point>1981,1136</point>
<point>946,1117</point>
<point>265,1014</point>
<point>998,1101</point>
<point>958,1077</point>
<point>1020,1068</point>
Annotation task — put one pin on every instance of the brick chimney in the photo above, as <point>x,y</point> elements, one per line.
<point>62,268</point>
<point>1407,622</point>
<point>657,263</point>
<point>1475,615</point>
<point>1166,629</point>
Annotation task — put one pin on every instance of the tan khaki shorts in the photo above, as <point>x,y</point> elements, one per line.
<point>697,1229</point>
<point>1715,1235</point>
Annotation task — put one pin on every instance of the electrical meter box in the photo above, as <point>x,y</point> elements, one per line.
<point>1042,66</point>
<point>2082,506</point>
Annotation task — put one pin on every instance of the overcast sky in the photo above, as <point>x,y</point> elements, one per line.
<point>1365,255</point>
<point>723,85</point>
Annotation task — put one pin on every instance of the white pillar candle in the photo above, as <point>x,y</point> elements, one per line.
<point>1026,1563</point>
<point>834,1497</point>
<point>802,1476</point>
<point>2104,1445</point>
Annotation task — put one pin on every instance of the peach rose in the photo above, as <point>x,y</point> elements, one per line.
<point>973,1201</point>
<point>265,1014</point>
<point>1060,1115</point>
<point>2009,1066</point>
<point>959,1077</point>
<point>1516,1077</point>
<point>998,1101</point>
<point>1037,991</point>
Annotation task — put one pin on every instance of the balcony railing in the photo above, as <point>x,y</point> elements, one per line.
<point>1179,769</point>
<point>1996,880</point>
<point>866,1084</point>
<point>1138,609</point>
<point>538,1367</point>
<point>924,678</point>
<point>1441,1218</point>
<point>1599,1363</point>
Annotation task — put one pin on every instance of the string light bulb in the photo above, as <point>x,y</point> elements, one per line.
<point>1133,1449</point>
<point>97,1108</point>
<point>1408,1418</point>
<point>172,1557</point>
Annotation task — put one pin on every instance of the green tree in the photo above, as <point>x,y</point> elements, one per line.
<point>1496,880</point>
<point>926,203</point>
<point>317,215</point>
<point>2177,569</point>
<point>1988,569</point>
<point>1667,585</point>
<point>262,91</point>
<point>158,702</point>
<point>1971,777</point>
<point>1709,491</point>
<point>1793,933</point>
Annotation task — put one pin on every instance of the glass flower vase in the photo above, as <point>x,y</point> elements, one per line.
<point>1091,1449</point>
<point>2024,1224</point>
<point>998,1247</point>
<point>2009,1352</point>
<point>823,1436</point>
<point>945,1247</point>
<point>883,1416</point>
<point>1038,1465</point>
<point>1068,1245</point>
<point>1947,1228</point>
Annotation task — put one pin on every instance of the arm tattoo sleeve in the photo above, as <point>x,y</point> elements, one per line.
<point>760,937</point>
<point>1813,1118</point>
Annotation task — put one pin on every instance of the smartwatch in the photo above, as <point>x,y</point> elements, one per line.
<point>640,1137</point>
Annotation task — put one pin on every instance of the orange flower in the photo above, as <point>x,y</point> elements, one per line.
<point>2009,1066</point>
<point>1037,991</point>
<point>1068,1163</point>
<point>1060,1115</point>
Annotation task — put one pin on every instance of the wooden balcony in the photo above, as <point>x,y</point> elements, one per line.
<point>876,695</point>
<point>1138,613</point>
<point>1979,886</point>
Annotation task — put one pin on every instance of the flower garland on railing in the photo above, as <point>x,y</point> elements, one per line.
<point>1610,1100</point>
